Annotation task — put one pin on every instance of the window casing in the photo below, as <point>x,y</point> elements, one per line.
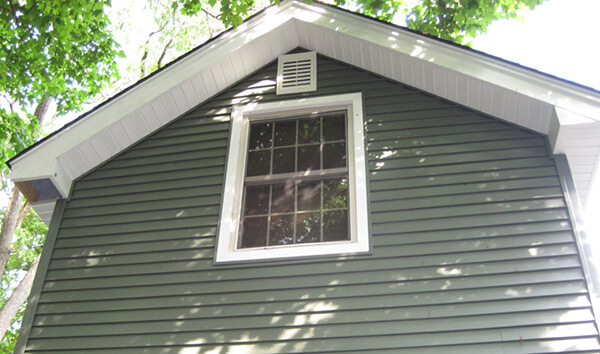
<point>303,194</point>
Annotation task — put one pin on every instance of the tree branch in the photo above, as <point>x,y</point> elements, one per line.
<point>14,13</point>
<point>209,14</point>
<point>10,103</point>
<point>42,109</point>
<point>162,55</point>
<point>17,298</point>
<point>9,226</point>
<point>145,55</point>
<point>143,60</point>
<point>22,214</point>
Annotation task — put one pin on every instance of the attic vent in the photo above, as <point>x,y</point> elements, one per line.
<point>297,73</point>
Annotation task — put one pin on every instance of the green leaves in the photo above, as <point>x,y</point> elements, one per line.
<point>454,20</point>
<point>16,133</point>
<point>461,20</point>
<point>27,245</point>
<point>232,13</point>
<point>57,49</point>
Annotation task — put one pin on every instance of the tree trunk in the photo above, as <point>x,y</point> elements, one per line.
<point>13,218</point>
<point>9,225</point>
<point>42,109</point>
<point>14,214</point>
<point>17,298</point>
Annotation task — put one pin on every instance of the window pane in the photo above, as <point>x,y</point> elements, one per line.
<point>309,195</point>
<point>257,200</point>
<point>335,194</point>
<point>335,225</point>
<point>282,198</point>
<point>309,158</point>
<point>281,230</point>
<point>334,155</point>
<point>284,160</point>
<point>285,133</point>
<point>308,228</point>
<point>309,131</point>
<point>255,232</point>
<point>303,209</point>
<point>334,128</point>
<point>258,163</point>
<point>260,136</point>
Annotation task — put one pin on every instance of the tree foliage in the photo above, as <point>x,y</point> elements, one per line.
<point>167,35</point>
<point>454,20</point>
<point>461,20</point>
<point>55,48</point>
<point>50,49</point>
<point>17,132</point>
<point>230,13</point>
<point>27,246</point>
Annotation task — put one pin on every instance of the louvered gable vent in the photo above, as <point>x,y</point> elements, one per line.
<point>297,73</point>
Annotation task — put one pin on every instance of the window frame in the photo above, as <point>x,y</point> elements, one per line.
<point>241,116</point>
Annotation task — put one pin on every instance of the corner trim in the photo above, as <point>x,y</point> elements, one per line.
<point>591,271</point>
<point>38,282</point>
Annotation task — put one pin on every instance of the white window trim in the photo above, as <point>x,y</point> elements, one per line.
<point>236,166</point>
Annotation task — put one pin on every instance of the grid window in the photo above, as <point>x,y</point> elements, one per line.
<point>296,184</point>
<point>295,180</point>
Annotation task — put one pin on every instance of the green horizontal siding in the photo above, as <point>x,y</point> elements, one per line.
<point>198,295</point>
<point>412,320</point>
<point>161,263</point>
<point>473,249</point>
<point>410,293</point>
<point>310,338</point>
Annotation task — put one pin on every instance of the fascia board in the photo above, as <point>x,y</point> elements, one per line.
<point>468,62</point>
<point>587,252</point>
<point>27,165</point>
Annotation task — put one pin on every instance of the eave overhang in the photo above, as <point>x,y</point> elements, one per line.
<point>567,113</point>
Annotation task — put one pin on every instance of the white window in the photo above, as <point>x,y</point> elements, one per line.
<point>295,182</point>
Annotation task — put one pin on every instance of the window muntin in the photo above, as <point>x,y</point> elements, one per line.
<point>285,201</point>
<point>352,176</point>
<point>295,212</point>
<point>316,142</point>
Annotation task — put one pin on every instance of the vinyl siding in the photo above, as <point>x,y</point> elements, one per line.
<point>472,245</point>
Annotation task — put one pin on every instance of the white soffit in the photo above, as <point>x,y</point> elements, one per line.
<point>438,67</point>
<point>45,210</point>
<point>501,89</point>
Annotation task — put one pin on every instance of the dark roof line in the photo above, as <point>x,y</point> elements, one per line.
<point>199,47</point>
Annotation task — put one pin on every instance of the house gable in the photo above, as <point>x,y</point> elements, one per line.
<point>472,245</point>
<point>566,113</point>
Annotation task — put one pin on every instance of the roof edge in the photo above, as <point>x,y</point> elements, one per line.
<point>439,67</point>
